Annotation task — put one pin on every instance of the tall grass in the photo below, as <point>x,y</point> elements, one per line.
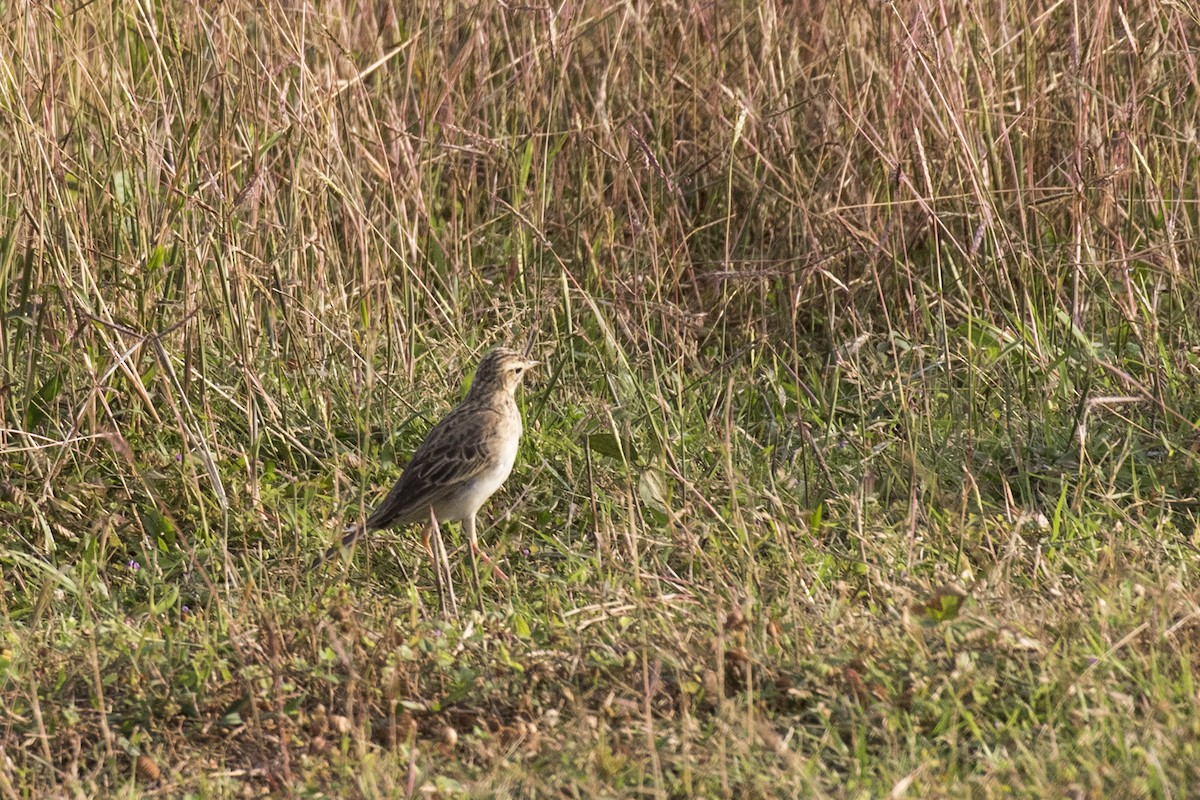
<point>863,461</point>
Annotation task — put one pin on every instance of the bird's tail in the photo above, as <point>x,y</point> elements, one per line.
<point>348,540</point>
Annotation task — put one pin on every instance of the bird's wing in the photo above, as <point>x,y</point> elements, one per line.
<point>455,451</point>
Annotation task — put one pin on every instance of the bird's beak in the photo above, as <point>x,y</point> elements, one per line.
<point>529,364</point>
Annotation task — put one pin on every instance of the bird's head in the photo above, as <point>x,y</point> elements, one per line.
<point>501,369</point>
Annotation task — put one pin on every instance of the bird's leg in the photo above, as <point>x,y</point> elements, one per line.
<point>499,573</point>
<point>442,562</point>
<point>469,527</point>
<point>427,540</point>
<point>474,543</point>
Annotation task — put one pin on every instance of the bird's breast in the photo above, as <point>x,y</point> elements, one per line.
<point>465,502</point>
<point>491,479</point>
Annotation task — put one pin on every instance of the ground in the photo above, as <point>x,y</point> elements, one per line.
<point>862,461</point>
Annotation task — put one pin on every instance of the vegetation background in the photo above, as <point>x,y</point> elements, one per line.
<point>863,462</point>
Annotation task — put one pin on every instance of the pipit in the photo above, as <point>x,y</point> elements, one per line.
<point>464,459</point>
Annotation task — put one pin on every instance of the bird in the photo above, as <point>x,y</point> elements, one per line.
<point>462,461</point>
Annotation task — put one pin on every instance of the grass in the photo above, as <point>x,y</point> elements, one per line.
<point>863,462</point>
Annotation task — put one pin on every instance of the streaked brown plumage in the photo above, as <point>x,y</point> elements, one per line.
<point>463,460</point>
